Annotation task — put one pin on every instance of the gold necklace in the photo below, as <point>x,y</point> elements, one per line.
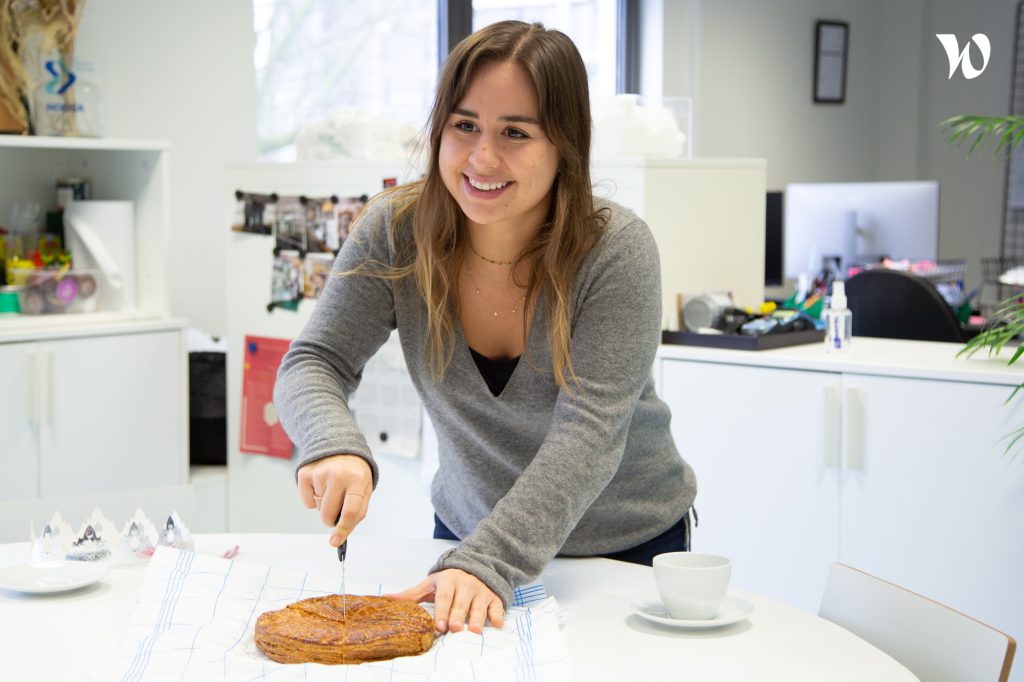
<point>492,262</point>
<point>476,288</point>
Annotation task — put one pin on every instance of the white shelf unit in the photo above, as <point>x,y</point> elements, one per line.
<point>707,217</point>
<point>98,401</point>
<point>121,170</point>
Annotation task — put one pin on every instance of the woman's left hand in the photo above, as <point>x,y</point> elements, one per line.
<point>459,598</point>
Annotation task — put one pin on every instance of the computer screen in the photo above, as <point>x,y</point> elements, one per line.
<point>859,222</point>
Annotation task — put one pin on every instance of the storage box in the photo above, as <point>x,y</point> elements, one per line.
<point>47,292</point>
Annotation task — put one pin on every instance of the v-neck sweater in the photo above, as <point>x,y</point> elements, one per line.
<point>534,471</point>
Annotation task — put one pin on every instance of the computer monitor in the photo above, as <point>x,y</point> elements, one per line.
<point>859,222</point>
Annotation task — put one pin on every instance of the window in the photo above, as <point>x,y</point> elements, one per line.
<point>591,24</point>
<point>343,78</point>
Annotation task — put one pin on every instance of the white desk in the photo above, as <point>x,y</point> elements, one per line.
<point>606,641</point>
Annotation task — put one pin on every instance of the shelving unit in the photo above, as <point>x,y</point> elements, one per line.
<point>95,401</point>
<point>123,170</point>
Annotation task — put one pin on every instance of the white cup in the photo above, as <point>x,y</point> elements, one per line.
<point>692,586</point>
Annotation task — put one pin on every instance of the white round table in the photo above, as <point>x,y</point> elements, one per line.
<point>69,635</point>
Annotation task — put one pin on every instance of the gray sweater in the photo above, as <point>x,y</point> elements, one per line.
<point>533,472</point>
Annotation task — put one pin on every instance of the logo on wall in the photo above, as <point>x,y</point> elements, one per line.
<point>962,58</point>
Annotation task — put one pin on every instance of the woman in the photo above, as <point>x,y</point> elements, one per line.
<point>529,315</point>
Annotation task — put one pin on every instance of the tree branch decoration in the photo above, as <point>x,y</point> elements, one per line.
<point>30,29</point>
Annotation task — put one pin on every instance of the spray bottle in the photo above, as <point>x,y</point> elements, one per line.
<point>838,320</point>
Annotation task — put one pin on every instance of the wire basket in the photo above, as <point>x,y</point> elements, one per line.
<point>996,286</point>
<point>993,270</point>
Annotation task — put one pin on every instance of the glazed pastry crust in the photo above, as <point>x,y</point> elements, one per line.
<point>376,629</point>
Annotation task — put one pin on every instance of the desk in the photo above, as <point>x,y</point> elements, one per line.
<point>606,641</point>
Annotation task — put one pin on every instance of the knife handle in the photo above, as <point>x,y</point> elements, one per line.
<point>343,547</point>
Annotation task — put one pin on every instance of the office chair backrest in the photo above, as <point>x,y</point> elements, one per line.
<point>931,640</point>
<point>898,305</point>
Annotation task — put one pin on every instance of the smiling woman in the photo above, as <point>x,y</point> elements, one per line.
<point>529,314</point>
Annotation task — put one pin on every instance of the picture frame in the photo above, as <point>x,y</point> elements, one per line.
<point>831,46</point>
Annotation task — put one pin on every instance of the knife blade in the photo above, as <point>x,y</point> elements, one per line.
<point>342,551</point>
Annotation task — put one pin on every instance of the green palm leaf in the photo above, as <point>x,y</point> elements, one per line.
<point>979,130</point>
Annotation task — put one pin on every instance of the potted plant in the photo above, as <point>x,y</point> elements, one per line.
<point>1006,323</point>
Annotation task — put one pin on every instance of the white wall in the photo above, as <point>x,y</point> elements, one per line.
<point>972,190</point>
<point>182,71</point>
<point>748,64</point>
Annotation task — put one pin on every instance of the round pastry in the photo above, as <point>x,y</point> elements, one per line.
<point>375,629</point>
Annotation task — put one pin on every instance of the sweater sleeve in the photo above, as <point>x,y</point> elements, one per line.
<point>352,319</point>
<point>615,335</point>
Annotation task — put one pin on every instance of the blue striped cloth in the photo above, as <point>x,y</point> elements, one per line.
<point>195,616</point>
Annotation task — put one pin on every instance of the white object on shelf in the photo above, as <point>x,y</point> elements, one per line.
<point>101,235</point>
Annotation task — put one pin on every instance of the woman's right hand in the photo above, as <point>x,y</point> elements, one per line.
<point>339,486</point>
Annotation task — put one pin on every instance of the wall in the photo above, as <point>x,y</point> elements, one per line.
<point>972,190</point>
<point>749,65</point>
<point>182,71</point>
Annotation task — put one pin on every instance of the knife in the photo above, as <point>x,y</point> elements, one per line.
<point>342,550</point>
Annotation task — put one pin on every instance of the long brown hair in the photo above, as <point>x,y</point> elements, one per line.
<point>559,79</point>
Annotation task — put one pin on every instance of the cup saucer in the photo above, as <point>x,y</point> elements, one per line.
<point>50,578</point>
<point>732,610</point>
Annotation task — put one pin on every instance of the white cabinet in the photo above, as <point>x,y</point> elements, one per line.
<point>890,459</point>
<point>94,401</point>
<point>18,422</point>
<point>763,443</point>
<point>929,500</point>
<point>93,414</point>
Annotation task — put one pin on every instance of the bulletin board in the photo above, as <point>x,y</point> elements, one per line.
<point>261,489</point>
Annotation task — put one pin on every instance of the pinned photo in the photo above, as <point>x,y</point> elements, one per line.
<point>318,269</point>
<point>286,282</point>
<point>254,213</point>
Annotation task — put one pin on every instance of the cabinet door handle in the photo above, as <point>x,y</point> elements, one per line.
<point>853,430</point>
<point>46,384</point>
<point>32,388</point>
<point>832,422</point>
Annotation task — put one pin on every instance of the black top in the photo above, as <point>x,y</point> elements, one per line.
<point>495,372</point>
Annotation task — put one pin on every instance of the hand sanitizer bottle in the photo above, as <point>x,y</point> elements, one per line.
<point>838,320</point>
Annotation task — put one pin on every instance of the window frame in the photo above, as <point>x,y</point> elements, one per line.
<point>455,22</point>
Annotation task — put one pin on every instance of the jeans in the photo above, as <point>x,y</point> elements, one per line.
<point>675,539</point>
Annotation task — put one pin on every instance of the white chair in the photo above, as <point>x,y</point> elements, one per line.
<point>19,518</point>
<point>933,641</point>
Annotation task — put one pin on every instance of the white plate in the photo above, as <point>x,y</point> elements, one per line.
<point>57,577</point>
<point>732,610</point>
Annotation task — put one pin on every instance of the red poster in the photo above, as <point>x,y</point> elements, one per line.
<point>262,433</point>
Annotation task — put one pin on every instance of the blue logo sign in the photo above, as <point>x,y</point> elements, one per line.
<point>62,77</point>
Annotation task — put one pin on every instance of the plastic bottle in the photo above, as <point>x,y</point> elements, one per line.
<point>838,320</point>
